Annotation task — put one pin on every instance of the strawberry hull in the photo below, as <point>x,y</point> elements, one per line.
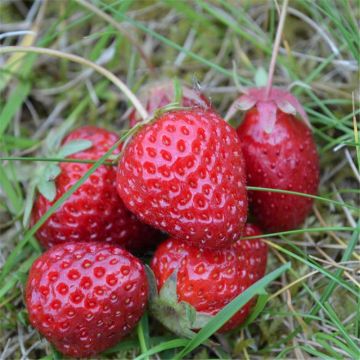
<point>159,94</point>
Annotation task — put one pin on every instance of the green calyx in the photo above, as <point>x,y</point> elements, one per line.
<point>45,175</point>
<point>178,316</point>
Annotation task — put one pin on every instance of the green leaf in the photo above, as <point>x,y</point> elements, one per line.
<point>46,181</point>
<point>317,354</point>
<point>189,311</point>
<point>152,282</point>
<point>74,147</point>
<point>55,136</point>
<point>172,344</point>
<point>261,77</point>
<point>201,320</point>
<point>51,172</point>
<point>47,189</point>
<point>9,188</point>
<point>123,345</point>
<point>177,91</point>
<point>176,316</point>
<point>29,202</point>
<point>168,290</point>
<point>259,307</point>
<point>143,333</point>
<point>13,104</point>
<point>14,277</point>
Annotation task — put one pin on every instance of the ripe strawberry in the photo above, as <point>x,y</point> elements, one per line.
<point>209,279</point>
<point>95,211</point>
<point>84,297</point>
<point>279,153</point>
<point>160,94</point>
<point>184,174</point>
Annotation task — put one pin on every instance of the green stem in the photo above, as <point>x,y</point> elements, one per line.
<point>255,188</point>
<point>141,337</point>
<point>78,59</point>
<point>301,231</point>
<point>67,160</point>
<point>276,47</point>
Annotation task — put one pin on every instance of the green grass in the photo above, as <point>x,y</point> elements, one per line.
<point>218,44</point>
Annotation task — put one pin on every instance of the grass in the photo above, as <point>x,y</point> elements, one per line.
<point>308,310</point>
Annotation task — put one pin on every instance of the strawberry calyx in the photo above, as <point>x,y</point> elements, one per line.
<point>268,105</point>
<point>179,317</point>
<point>45,175</point>
<point>155,95</point>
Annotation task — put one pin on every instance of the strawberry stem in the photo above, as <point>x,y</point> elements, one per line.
<point>276,48</point>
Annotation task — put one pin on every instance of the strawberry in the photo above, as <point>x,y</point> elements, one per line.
<point>279,153</point>
<point>95,211</point>
<point>157,95</point>
<point>85,297</point>
<point>184,174</point>
<point>206,279</point>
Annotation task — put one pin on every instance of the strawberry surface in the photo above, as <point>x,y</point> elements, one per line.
<point>184,174</point>
<point>84,297</point>
<point>210,279</point>
<point>95,211</point>
<point>157,95</point>
<point>283,158</point>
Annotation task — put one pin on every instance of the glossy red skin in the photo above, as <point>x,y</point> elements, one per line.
<point>184,174</point>
<point>84,297</point>
<point>210,279</point>
<point>95,211</point>
<point>158,95</point>
<point>285,159</point>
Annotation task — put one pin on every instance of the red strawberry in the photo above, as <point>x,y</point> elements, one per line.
<point>209,279</point>
<point>280,153</point>
<point>184,174</point>
<point>158,95</point>
<point>95,212</point>
<point>84,297</point>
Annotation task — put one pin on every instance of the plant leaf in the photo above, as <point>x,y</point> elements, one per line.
<point>168,290</point>
<point>261,77</point>
<point>29,202</point>
<point>201,320</point>
<point>152,282</point>
<point>244,103</point>
<point>259,307</point>
<point>176,316</point>
<point>177,91</point>
<point>46,181</point>
<point>286,107</point>
<point>189,313</point>
<point>51,172</point>
<point>47,189</point>
<point>74,147</point>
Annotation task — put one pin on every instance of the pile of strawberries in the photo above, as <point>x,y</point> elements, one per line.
<point>182,179</point>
